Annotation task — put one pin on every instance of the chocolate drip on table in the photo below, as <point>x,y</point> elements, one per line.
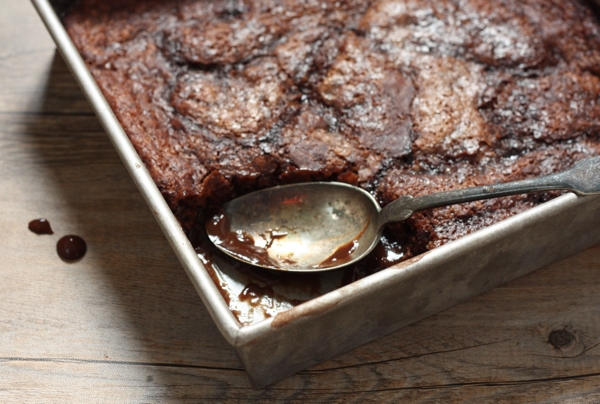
<point>40,226</point>
<point>71,247</point>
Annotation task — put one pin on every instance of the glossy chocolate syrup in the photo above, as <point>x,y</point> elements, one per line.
<point>263,291</point>
<point>239,243</point>
<point>40,226</point>
<point>343,252</point>
<point>341,255</point>
<point>71,247</point>
<point>253,293</point>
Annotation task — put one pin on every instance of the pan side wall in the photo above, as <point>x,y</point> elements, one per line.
<point>364,311</point>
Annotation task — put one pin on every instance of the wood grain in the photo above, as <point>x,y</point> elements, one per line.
<point>125,325</point>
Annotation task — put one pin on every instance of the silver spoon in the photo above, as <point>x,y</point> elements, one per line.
<point>321,226</point>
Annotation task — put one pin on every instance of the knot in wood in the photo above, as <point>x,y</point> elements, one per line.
<point>560,338</point>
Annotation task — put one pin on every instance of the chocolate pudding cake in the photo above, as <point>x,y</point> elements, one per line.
<point>399,97</point>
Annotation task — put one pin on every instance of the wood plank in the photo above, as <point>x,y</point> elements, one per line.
<point>91,382</point>
<point>25,52</point>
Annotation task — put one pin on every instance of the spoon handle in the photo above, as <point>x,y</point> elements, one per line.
<point>583,179</point>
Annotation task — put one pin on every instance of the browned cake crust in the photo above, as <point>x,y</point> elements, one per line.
<point>399,97</point>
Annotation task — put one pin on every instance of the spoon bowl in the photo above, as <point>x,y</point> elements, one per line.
<point>302,227</point>
<point>321,226</point>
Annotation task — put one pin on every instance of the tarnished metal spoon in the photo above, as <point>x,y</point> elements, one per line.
<point>321,226</point>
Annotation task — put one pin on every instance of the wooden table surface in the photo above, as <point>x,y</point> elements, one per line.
<point>124,324</point>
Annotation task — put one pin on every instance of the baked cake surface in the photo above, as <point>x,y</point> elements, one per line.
<point>399,97</point>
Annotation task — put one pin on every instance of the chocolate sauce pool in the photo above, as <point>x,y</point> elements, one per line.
<point>40,226</point>
<point>71,247</point>
<point>271,291</point>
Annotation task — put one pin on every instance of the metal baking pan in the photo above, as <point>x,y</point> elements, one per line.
<point>338,319</point>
